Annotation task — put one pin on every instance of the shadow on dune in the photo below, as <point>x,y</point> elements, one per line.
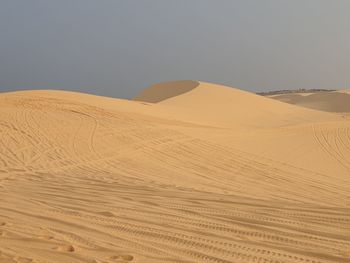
<point>163,91</point>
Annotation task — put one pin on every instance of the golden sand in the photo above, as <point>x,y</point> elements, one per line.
<point>206,174</point>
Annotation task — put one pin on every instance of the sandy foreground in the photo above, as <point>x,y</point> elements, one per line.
<point>188,172</point>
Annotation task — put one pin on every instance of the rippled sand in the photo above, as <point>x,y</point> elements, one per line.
<point>206,173</point>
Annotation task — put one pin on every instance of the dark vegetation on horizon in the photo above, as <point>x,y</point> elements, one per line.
<point>276,92</point>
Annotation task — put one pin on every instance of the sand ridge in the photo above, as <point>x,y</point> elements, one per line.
<point>162,91</point>
<point>212,174</point>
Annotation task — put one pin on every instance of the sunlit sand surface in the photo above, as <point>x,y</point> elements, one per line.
<point>186,172</point>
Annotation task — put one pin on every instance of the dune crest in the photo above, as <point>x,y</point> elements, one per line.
<point>166,90</point>
<point>224,106</point>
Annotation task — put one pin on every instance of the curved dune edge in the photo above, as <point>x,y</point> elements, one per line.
<point>224,106</point>
<point>165,90</point>
<point>213,175</point>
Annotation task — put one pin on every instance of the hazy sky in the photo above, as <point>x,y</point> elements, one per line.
<point>118,47</point>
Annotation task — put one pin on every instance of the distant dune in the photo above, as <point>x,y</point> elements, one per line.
<point>344,91</point>
<point>331,101</point>
<point>188,171</point>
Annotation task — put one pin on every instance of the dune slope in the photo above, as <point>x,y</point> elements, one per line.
<point>206,175</point>
<point>334,101</point>
<point>228,107</point>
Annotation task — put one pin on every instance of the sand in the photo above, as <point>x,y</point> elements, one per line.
<point>330,101</point>
<point>207,173</point>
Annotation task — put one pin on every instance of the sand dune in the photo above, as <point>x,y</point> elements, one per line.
<point>229,107</point>
<point>332,101</point>
<point>344,91</point>
<point>190,172</point>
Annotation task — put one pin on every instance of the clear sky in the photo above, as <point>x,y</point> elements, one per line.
<point>118,47</point>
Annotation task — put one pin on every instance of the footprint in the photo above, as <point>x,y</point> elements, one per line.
<point>106,213</point>
<point>5,224</point>
<point>65,248</point>
<point>122,258</point>
<point>46,237</point>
